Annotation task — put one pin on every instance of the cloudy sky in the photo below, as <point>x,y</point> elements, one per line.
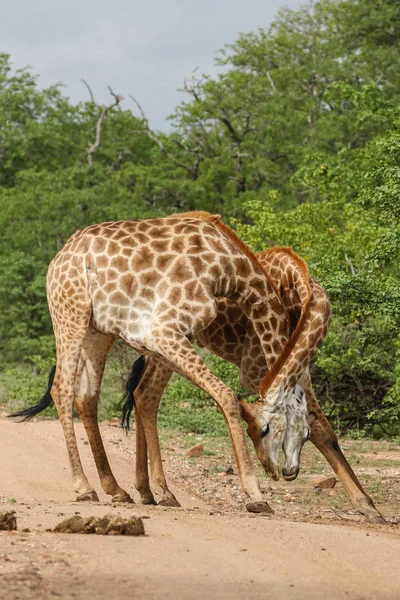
<point>139,47</point>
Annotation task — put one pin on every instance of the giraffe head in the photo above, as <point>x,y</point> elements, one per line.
<point>266,426</point>
<point>297,431</point>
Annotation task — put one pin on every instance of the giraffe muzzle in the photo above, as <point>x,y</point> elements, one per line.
<point>290,474</point>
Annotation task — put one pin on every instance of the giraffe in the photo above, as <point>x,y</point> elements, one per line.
<point>155,284</point>
<point>232,336</point>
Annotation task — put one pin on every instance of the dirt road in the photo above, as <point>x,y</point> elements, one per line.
<point>188,553</point>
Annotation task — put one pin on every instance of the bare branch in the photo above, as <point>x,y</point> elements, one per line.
<point>146,124</point>
<point>191,85</point>
<point>104,110</point>
<point>352,269</point>
<point>191,169</point>
<point>271,82</point>
<point>96,143</point>
<point>118,97</point>
<point>89,90</point>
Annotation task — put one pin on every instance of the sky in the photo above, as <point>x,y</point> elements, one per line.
<point>139,47</point>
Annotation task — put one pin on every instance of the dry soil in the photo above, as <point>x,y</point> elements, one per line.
<point>209,548</point>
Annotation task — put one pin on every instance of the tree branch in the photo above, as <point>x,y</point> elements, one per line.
<point>104,110</point>
<point>271,82</point>
<point>191,169</point>
<point>89,90</point>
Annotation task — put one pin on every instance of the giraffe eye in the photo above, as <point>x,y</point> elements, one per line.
<point>265,430</point>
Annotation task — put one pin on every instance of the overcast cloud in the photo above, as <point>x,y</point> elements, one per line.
<point>139,47</point>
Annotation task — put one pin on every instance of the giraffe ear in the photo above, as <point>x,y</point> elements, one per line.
<point>281,396</point>
<point>246,411</point>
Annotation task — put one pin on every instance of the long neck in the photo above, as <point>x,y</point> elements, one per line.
<point>311,328</point>
<point>289,273</point>
<point>262,305</point>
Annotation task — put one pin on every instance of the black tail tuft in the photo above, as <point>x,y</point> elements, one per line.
<point>45,402</point>
<point>128,399</point>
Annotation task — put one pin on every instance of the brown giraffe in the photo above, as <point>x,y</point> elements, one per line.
<point>232,337</point>
<point>155,284</point>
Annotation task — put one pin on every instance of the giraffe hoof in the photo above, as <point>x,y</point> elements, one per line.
<point>377,519</point>
<point>148,501</point>
<point>172,502</point>
<point>259,507</point>
<point>88,497</point>
<point>122,497</point>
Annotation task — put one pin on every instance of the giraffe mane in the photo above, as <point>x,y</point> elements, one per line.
<point>269,378</point>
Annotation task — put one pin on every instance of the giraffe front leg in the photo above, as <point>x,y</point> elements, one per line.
<point>147,400</point>
<point>90,372</point>
<point>325,440</point>
<point>328,445</point>
<point>176,348</point>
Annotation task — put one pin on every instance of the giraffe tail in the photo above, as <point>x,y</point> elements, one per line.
<point>128,399</point>
<point>28,413</point>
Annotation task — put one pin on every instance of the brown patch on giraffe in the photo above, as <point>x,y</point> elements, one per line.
<point>141,237</point>
<point>160,231</point>
<point>197,264</point>
<point>160,245</point>
<point>109,287</point>
<point>164,261</point>
<point>242,267</point>
<point>113,248</point>
<point>126,282</point>
<point>102,261</point>
<point>120,263</point>
<point>149,279</point>
<point>195,244</point>
<point>148,294</point>
<point>112,274</point>
<point>175,295</point>
<point>118,298</point>
<point>99,245</point>
<point>178,244</point>
<point>143,259</point>
<point>180,272</point>
<point>229,333</point>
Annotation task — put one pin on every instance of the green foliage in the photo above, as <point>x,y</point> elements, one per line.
<point>187,408</point>
<point>296,142</point>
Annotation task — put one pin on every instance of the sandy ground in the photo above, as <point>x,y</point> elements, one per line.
<point>198,551</point>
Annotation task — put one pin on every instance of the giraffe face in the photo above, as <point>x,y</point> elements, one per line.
<point>266,427</point>
<point>297,432</point>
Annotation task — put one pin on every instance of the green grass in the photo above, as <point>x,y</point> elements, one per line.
<point>184,407</point>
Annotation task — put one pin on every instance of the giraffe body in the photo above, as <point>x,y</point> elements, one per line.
<point>232,337</point>
<point>155,284</point>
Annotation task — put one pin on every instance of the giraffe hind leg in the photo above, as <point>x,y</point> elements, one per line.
<point>63,393</point>
<point>91,367</point>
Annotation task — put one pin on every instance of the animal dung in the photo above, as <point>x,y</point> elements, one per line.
<point>108,525</point>
<point>8,521</point>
